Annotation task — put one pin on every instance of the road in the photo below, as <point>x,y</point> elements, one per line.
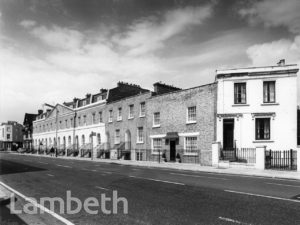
<point>155,195</point>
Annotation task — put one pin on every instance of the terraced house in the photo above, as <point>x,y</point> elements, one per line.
<point>243,109</point>
<point>129,122</point>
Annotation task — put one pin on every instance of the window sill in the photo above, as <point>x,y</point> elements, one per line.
<point>191,122</point>
<point>190,154</point>
<point>263,141</point>
<point>140,142</point>
<point>271,103</point>
<point>119,120</point>
<point>110,121</point>
<point>142,116</point>
<point>156,126</point>
<point>238,105</point>
<point>130,118</point>
<point>156,153</point>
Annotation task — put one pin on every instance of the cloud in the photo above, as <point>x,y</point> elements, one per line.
<point>58,37</point>
<point>28,23</point>
<point>271,52</point>
<point>149,34</point>
<point>274,13</point>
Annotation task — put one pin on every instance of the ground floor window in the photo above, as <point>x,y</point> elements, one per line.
<point>98,139</point>
<point>190,145</point>
<point>262,128</point>
<point>157,145</point>
<point>140,135</point>
<point>117,136</point>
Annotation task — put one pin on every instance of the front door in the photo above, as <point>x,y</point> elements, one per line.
<point>172,150</point>
<point>228,133</point>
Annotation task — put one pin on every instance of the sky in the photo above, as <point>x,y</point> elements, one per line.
<point>54,50</point>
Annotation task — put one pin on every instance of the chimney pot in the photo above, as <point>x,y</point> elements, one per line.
<point>281,62</point>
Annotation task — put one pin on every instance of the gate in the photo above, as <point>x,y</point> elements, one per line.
<point>281,160</point>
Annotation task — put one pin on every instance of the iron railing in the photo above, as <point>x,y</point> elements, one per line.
<point>242,155</point>
<point>281,160</point>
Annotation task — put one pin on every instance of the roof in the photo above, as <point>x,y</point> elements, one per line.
<point>124,90</point>
<point>257,71</point>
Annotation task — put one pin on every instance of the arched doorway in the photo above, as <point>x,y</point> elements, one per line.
<point>69,140</point>
<point>98,139</point>
<point>76,142</point>
<point>64,142</point>
<point>83,140</point>
<point>127,140</point>
<point>58,142</point>
<point>107,146</point>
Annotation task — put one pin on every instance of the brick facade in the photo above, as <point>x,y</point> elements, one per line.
<point>119,131</point>
<point>127,126</point>
<point>173,116</point>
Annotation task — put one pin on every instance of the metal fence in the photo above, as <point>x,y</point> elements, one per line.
<point>242,155</point>
<point>180,156</point>
<point>281,160</point>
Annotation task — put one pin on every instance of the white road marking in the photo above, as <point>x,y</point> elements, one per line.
<point>136,169</point>
<point>253,176</point>
<point>63,166</point>
<point>263,196</point>
<point>190,175</point>
<point>232,221</point>
<point>43,208</point>
<point>102,188</point>
<point>164,181</point>
<point>50,175</point>
<point>287,185</point>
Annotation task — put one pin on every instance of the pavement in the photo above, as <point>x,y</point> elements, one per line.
<point>247,171</point>
<point>155,195</point>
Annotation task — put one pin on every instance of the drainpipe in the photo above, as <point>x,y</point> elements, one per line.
<point>74,136</point>
<point>56,130</point>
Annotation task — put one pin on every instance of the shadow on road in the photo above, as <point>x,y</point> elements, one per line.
<point>9,167</point>
<point>6,218</point>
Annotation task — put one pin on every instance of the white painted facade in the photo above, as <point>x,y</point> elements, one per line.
<point>282,113</point>
<point>67,136</point>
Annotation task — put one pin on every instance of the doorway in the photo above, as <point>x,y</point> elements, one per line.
<point>228,134</point>
<point>172,150</point>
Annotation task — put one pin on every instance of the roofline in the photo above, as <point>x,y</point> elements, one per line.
<point>132,96</point>
<point>257,69</point>
<point>182,90</point>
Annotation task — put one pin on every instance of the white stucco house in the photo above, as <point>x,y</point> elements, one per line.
<point>257,107</point>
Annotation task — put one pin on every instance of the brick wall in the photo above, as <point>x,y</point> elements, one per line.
<point>173,117</point>
<point>126,125</point>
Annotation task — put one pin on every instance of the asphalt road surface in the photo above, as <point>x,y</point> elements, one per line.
<point>155,195</point>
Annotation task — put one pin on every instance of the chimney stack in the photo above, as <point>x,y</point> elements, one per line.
<point>281,62</point>
<point>40,111</point>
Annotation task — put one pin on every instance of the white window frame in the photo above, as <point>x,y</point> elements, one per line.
<point>117,138</point>
<point>119,118</point>
<point>185,145</point>
<point>131,112</point>
<point>94,118</point>
<point>110,116</point>
<point>143,113</point>
<point>188,121</point>
<point>153,151</point>
<point>153,123</point>
<point>100,117</point>
<point>84,120</point>
<point>138,140</point>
